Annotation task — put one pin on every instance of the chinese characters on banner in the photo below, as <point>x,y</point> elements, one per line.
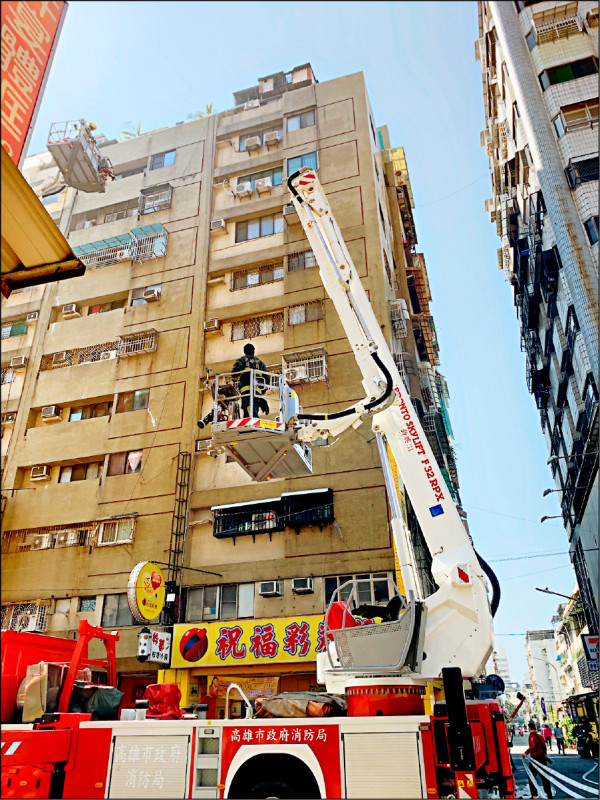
<point>29,30</point>
<point>160,647</point>
<point>248,642</point>
<point>280,735</point>
<point>251,687</point>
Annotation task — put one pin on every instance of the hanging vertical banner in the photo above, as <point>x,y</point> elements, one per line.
<point>30,32</point>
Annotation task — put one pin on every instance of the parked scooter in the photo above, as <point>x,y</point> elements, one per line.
<point>583,738</point>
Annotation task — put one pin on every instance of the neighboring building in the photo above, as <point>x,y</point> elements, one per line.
<point>191,253</point>
<point>543,670</point>
<point>501,664</point>
<point>540,77</point>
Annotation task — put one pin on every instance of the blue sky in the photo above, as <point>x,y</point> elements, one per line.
<point>152,63</point>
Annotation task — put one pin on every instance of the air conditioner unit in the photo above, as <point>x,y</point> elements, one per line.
<point>30,622</point>
<point>244,189</point>
<point>269,589</point>
<point>9,419</point>
<point>70,310</point>
<point>264,185</point>
<point>51,413</point>
<point>252,143</point>
<point>151,295</point>
<point>404,307</point>
<point>32,316</point>
<point>66,538</point>
<point>292,374</point>
<point>124,255</point>
<point>271,138</point>
<point>89,223</point>
<point>251,104</point>
<point>19,362</point>
<point>59,358</point>
<point>212,326</point>
<point>218,225</point>
<point>41,473</point>
<point>303,586</point>
<point>290,211</point>
<point>106,355</point>
<point>41,542</point>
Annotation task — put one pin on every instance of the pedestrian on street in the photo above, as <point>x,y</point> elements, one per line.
<point>559,735</point>
<point>547,734</point>
<point>242,366</point>
<point>537,751</point>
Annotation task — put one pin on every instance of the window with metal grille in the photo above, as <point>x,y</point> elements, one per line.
<point>257,326</point>
<point>306,312</point>
<point>16,328</point>
<point>87,603</point>
<point>307,366</point>
<point>24,616</point>
<point>314,507</point>
<point>84,355</point>
<point>8,375</point>
<point>582,171</point>
<point>155,198</point>
<point>134,344</point>
<point>257,228</point>
<point>373,587</point>
<point>116,531</point>
<point>304,260</point>
<point>78,534</point>
<point>267,273</point>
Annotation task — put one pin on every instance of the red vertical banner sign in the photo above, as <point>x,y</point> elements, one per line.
<point>30,31</point>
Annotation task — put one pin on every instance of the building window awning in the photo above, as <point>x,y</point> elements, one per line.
<point>93,248</point>
<point>149,230</point>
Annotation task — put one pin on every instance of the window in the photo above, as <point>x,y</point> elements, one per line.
<point>276,175</point>
<point>80,472</point>
<point>51,198</point>
<point>8,375</point>
<point>257,326</point>
<point>304,260</point>
<point>91,411</point>
<point>87,603</point>
<point>268,273</point>
<point>582,171</point>
<point>260,226</point>
<point>156,198</point>
<point>115,612</point>
<point>220,602</point>
<point>568,72</point>
<point>261,136</point>
<point>559,126</point>
<point>307,312</point>
<point>162,160</point>
<point>101,308</point>
<point>575,116</point>
<point>515,117</point>
<point>304,120</point>
<point>16,328</point>
<point>374,588</point>
<point>125,463</point>
<point>591,228</point>
<point>531,39</point>
<point>133,401</point>
<point>137,295</point>
<point>307,160</point>
<point>129,172</point>
<point>116,531</point>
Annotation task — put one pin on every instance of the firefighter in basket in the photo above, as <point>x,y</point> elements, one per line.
<point>243,365</point>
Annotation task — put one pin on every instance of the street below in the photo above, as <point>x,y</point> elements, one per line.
<point>570,765</point>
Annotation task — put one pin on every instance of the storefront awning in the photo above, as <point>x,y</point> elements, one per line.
<point>34,251</point>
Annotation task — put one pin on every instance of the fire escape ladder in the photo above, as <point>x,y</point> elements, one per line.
<point>180,520</point>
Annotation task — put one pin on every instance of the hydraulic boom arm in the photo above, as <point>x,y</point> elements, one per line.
<point>458,622</point>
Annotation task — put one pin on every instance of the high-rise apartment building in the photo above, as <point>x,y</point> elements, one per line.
<point>539,64</point>
<point>192,252</point>
<point>544,675</point>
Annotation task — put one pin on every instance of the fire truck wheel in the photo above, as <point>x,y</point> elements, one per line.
<point>272,789</point>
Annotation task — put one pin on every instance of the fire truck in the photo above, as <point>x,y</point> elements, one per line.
<point>408,731</point>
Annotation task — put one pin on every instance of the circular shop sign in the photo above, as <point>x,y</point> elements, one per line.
<point>146,591</point>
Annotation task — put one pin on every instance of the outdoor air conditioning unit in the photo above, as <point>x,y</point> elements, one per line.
<point>252,143</point>
<point>50,413</point>
<point>269,589</point>
<point>151,295</point>
<point>212,326</point>
<point>19,362</point>
<point>66,538</point>
<point>218,225</point>
<point>106,355</point>
<point>303,586</point>
<point>404,307</point>
<point>271,138</point>
<point>290,212</point>
<point>264,185</point>
<point>30,622</point>
<point>89,223</point>
<point>59,358</point>
<point>251,104</point>
<point>244,189</point>
<point>9,419</point>
<point>124,255</point>
<point>41,473</point>
<point>292,374</point>
<point>70,311</point>
<point>32,316</point>
<point>41,541</point>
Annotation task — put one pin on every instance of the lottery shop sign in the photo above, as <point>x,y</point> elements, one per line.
<point>29,35</point>
<point>254,641</point>
<point>146,591</point>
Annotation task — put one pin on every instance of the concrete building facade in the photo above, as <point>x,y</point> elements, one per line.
<point>539,65</point>
<point>544,675</point>
<point>191,253</point>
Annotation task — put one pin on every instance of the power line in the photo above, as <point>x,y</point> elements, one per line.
<point>510,516</point>
<point>466,186</point>
<point>537,572</point>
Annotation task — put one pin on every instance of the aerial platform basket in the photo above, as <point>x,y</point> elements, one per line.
<point>75,152</point>
<point>265,447</point>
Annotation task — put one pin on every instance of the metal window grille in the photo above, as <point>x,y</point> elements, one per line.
<point>118,531</point>
<point>137,343</point>
<point>557,23</point>
<point>400,361</point>
<point>105,256</point>
<point>306,312</point>
<point>154,246</point>
<point>308,366</point>
<point>229,523</point>
<point>18,617</point>
<point>582,171</point>
<point>398,320</point>
<point>303,260</point>
<point>83,355</point>
<point>266,273</point>
<point>16,328</point>
<point>8,375</point>
<point>78,535</point>
<point>257,326</point>
<point>157,201</point>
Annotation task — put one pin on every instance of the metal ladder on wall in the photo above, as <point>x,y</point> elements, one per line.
<point>179,525</point>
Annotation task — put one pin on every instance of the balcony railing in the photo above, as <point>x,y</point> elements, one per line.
<point>140,244</point>
<point>557,23</point>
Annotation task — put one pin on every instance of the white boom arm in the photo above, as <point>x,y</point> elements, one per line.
<point>458,621</point>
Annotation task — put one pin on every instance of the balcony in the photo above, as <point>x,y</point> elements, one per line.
<point>582,170</point>
<point>140,244</point>
<point>556,23</point>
